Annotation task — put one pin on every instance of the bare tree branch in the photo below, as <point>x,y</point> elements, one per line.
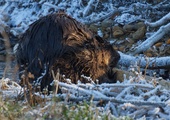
<point>151,40</point>
<point>151,62</point>
<point>53,6</point>
<point>126,85</point>
<point>120,101</point>
<point>89,7</point>
<point>88,92</point>
<point>162,21</point>
<point>112,13</point>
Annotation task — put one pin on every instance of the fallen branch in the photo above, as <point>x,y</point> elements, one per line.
<point>150,62</point>
<point>53,6</point>
<point>81,90</point>
<point>138,113</point>
<point>121,75</point>
<point>89,7</point>
<point>123,92</point>
<point>162,21</point>
<point>152,92</point>
<point>120,101</point>
<point>117,85</point>
<point>86,94</point>
<point>151,40</point>
<point>112,13</point>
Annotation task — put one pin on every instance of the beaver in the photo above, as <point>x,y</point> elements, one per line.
<point>59,42</point>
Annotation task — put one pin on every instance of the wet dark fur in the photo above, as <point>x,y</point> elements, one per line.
<point>59,41</point>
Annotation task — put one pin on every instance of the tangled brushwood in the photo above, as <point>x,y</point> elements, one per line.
<point>59,42</point>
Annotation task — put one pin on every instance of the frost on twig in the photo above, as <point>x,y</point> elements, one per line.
<point>112,13</point>
<point>53,6</point>
<point>78,93</point>
<point>152,92</point>
<point>162,21</point>
<point>126,85</point>
<point>163,30</point>
<point>89,7</point>
<point>81,90</point>
<point>150,62</point>
<point>119,101</point>
<point>126,100</point>
<point>9,88</point>
<point>132,100</point>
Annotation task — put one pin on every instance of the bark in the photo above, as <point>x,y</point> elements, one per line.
<point>110,14</point>
<point>119,101</point>
<point>97,94</point>
<point>53,6</point>
<point>89,7</point>
<point>143,61</point>
<point>160,22</point>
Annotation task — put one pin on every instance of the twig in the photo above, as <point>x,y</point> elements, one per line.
<point>127,85</point>
<point>152,92</point>
<point>99,96</point>
<point>114,110</point>
<point>112,13</point>
<point>123,93</point>
<point>56,80</point>
<point>88,92</point>
<point>162,21</point>
<point>89,7</point>
<point>138,113</point>
<point>53,6</point>
<point>120,101</point>
<point>150,62</point>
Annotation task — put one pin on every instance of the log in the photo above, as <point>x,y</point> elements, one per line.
<point>143,61</point>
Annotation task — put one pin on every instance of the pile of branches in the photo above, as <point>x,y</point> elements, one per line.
<point>135,97</point>
<point>93,12</point>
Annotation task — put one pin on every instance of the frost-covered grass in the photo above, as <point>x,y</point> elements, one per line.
<point>54,108</point>
<point>134,98</point>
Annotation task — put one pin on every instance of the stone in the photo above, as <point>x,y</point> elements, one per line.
<point>159,44</point>
<point>139,34</point>
<point>117,31</point>
<point>168,41</point>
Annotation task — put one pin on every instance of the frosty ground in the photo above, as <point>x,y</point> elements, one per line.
<point>136,97</point>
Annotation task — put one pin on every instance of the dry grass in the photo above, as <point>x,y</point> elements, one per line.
<point>54,108</point>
